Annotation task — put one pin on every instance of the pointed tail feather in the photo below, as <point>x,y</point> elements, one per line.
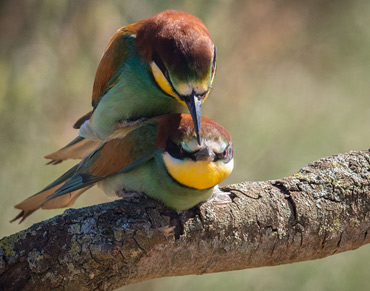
<point>77,149</point>
<point>36,201</point>
<point>33,203</point>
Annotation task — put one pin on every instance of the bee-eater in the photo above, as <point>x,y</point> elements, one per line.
<point>159,65</point>
<point>160,157</point>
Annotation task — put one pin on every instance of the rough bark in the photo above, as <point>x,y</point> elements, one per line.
<point>322,210</point>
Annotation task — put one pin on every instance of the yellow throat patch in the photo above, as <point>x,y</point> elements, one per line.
<point>197,174</point>
<point>163,83</point>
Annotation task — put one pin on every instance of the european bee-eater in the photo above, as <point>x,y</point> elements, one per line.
<point>160,157</point>
<point>159,65</point>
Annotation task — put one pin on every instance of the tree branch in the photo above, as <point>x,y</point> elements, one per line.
<point>322,210</point>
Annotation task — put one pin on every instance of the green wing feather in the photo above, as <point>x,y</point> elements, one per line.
<point>116,54</point>
<point>116,156</point>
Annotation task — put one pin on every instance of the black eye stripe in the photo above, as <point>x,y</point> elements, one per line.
<point>157,60</point>
<point>161,66</point>
<point>214,60</point>
<point>178,152</point>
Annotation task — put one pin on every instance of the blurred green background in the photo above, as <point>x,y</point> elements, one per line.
<point>291,86</point>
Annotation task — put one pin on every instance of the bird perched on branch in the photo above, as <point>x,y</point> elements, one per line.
<point>159,65</point>
<point>160,157</point>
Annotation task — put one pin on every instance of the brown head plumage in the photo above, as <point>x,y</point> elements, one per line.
<point>179,39</point>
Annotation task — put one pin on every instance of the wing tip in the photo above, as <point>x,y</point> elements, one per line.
<point>82,119</point>
<point>53,161</point>
<point>75,150</point>
<point>22,216</point>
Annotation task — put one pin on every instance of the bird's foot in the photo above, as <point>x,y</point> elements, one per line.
<point>128,123</point>
<point>167,230</point>
<point>128,194</point>
<point>220,197</point>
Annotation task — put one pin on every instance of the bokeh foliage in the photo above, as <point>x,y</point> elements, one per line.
<point>291,86</point>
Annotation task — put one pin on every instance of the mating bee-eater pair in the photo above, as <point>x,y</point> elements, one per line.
<point>159,65</point>
<point>135,138</point>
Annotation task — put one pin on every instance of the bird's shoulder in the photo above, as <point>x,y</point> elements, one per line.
<point>118,51</point>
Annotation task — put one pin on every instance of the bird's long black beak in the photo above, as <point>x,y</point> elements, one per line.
<point>194,104</point>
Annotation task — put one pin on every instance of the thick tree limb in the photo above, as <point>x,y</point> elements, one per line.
<point>322,210</point>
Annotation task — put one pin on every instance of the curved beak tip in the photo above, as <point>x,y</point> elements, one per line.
<point>198,139</point>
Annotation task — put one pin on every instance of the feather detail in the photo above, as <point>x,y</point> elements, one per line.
<point>77,149</point>
<point>115,54</point>
<point>125,150</point>
<point>126,146</point>
<point>37,201</point>
<point>180,39</point>
<point>82,119</point>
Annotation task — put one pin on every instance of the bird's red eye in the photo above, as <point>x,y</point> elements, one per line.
<point>181,150</point>
<point>225,153</point>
